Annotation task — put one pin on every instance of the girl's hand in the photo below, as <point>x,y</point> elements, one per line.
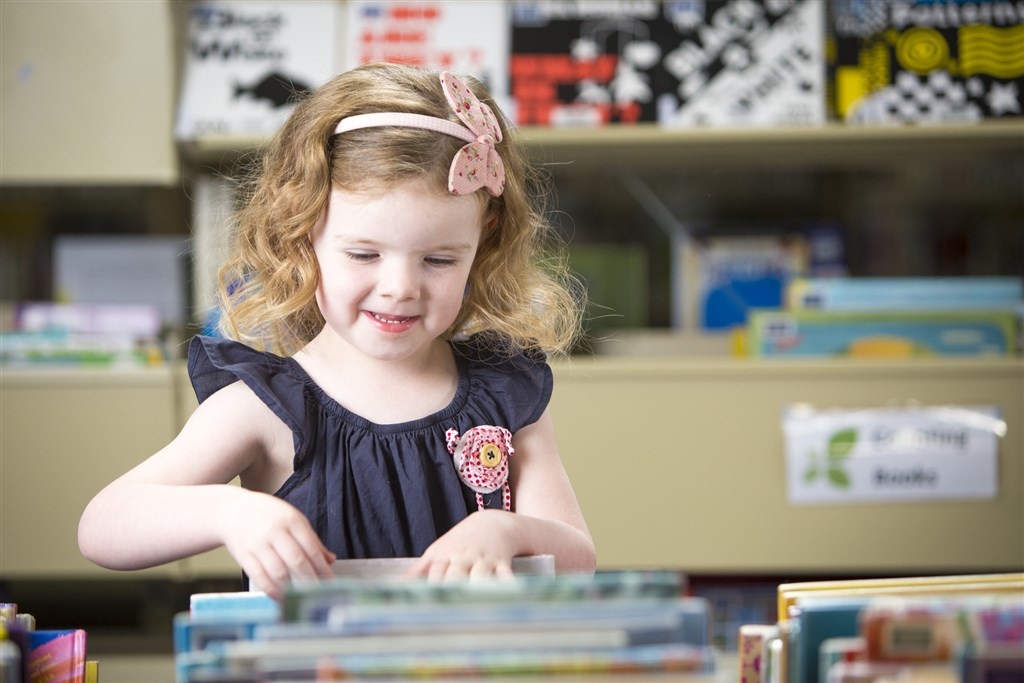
<point>481,545</point>
<point>273,542</point>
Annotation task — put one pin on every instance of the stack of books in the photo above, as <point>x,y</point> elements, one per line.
<point>533,626</point>
<point>940,629</point>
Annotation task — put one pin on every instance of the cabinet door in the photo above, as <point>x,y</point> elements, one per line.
<point>88,93</point>
<point>66,434</point>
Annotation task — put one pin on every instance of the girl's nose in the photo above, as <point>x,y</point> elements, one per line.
<point>400,281</point>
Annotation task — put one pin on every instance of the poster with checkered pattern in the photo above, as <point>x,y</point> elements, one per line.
<point>926,61</point>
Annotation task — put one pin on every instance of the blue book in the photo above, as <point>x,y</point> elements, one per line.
<point>246,604</point>
<point>816,620</point>
<point>906,293</point>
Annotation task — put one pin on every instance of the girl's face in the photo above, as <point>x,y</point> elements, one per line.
<point>394,266</point>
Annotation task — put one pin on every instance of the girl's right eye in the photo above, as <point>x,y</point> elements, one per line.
<point>361,256</point>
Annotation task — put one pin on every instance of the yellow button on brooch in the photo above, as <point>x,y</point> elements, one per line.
<point>490,455</point>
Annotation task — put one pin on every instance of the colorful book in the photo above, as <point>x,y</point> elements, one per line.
<point>883,293</point>
<point>881,334</point>
<point>56,656</point>
<point>984,609</point>
<point>314,601</point>
<point>925,62</point>
<point>726,277</point>
<point>967,584</point>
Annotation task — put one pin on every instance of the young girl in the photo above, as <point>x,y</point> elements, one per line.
<point>390,397</point>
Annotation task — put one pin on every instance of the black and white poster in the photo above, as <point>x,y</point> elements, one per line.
<point>677,63</point>
<point>247,62</point>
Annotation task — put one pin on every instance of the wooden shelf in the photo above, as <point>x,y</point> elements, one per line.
<point>834,145</point>
<point>653,147</point>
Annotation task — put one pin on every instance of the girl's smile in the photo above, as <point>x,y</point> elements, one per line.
<point>394,266</point>
<point>391,323</point>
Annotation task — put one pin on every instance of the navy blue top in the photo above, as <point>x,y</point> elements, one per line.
<point>373,490</point>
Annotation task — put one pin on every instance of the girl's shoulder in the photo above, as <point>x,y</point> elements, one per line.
<point>490,353</point>
<point>517,384</point>
<point>215,362</point>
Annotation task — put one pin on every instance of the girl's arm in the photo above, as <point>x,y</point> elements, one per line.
<point>547,519</point>
<point>179,502</point>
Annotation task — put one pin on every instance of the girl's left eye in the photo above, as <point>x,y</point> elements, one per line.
<point>440,261</point>
<point>361,256</point>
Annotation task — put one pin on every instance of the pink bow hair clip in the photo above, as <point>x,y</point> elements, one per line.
<point>477,164</point>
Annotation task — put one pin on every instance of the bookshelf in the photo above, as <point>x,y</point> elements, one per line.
<point>651,147</point>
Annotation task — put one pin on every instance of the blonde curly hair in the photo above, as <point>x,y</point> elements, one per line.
<point>521,294</point>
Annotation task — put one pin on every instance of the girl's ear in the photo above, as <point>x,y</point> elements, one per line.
<point>490,219</point>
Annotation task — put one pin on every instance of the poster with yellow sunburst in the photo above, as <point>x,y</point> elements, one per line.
<point>926,61</point>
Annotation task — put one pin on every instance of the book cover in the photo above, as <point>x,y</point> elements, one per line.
<point>905,293</point>
<point>593,664</point>
<point>726,277</point>
<point>56,656</point>
<point>464,37</point>
<point>389,567</point>
<point>714,62</point>
<point>642,620</point>
<point>247,62</point>
<point>999,583</point>
<point>884,333</point>
<point>313,602</point>
<point>926,62</point>
<point>929,629</point>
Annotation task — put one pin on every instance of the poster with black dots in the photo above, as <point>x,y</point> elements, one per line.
<point>677,63</point>
<point>926,61</point>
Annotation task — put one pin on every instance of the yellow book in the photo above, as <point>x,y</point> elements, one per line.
<point>790,593</point>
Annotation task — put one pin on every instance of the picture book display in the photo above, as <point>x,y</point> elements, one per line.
<point>924,62</point>
<point>464,37</point>
<point>708,63</point>
<point>246,62</point>
<point>958,628</point>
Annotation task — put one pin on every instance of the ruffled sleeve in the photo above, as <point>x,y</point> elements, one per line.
<point>214,363</point>
<point>517,389</point>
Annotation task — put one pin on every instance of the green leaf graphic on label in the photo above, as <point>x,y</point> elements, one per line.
<point>838,478</point>
<point>812,470</point>
<point>841,444</point>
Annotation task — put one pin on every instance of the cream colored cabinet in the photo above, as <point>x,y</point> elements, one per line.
<point>681,462</point>
<point>88,92</point>
<point>677,462</point>
<point>64,434</point>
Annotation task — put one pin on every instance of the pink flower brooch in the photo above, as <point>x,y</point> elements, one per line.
<point>481,460</point>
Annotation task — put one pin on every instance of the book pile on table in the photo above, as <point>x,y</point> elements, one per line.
<point>532,627</point>
<point>956,629</point>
